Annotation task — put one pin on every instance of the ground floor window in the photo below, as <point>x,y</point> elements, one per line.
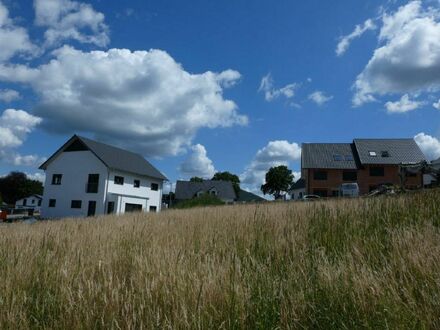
<point>110,207</point>
<point>52,202</point>
<point>133,207</point>
<point>153,208</point>
<point>75,204</point>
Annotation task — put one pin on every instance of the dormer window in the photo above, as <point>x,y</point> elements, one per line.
<point>349,158</point>
<point>385,154</point>
<point>372,153</point>
<point>213,192</point>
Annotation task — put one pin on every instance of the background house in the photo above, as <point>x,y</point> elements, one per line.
<point>31,202</point>
<point>369,162</point>
<point>86,178</point>
<point>223,190</point>
<point>298,189</point>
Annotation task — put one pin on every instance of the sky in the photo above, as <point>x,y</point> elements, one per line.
<point>203,86</point>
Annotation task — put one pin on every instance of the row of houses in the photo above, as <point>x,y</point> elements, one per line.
<point>87,178</point>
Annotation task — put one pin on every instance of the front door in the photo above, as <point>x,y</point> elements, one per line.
<point>92,209</point>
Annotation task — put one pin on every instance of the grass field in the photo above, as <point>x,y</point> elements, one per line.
<point>367,263</point>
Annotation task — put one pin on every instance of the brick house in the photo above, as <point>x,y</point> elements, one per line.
<point>369,162</point>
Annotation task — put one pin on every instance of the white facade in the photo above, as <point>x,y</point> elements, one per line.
<point>30,202</point>
<point>297,194</point>
<point>70,198</point>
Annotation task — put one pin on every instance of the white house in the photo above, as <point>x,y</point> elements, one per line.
<point>298,190</point>
<point>30,202</point>
<point>86,178</point>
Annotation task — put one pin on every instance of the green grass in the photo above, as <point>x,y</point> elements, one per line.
<point>359,263</point>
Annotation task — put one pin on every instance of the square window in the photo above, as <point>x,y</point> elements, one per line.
<point>155,186</point>
<point>372,153</point>
<point>137,183</point>
<point>56,179</point>
<point>52,202</point>
<point>320,175</point>
<point>75,204</point>
<point>153,208</point>
<point>385,154</point>
<point>119,180</point>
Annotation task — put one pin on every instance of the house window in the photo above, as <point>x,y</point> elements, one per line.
<point>301,194</point>
<point>320,192</point>
<point>119,180</point>
<point>349,176</point>
<point>320,175</point>
<point>137,183</point>
<point>24,202</point>
<point>33,202</point>
<point>337,158</point>
<point>93,183</point>
<point>348,158</point>
<point>372,153</point>
<point>385,154</point>
<point>213,192</point>
<point>153,208</point>
<point>56,179</point>
<point>110,207</point>
<point>377,171</point>
<point>75,204</point>
<point>52,202</point>
<point>155,186</point>
<point>39,202</point>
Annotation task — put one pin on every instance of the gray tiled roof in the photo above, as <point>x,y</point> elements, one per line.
<point>246,196</point>
<point>325,155</point>
<point>300,184</point>
<point>188,189</point>
<point>115,158</point>
<point>399,150</point>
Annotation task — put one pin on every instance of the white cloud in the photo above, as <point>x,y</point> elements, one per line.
<point>140,100</point>
<point>320,98</point>
<point>197,164</point>
<point>345,41</point>
<point>429,145</point>
<point>408,58</point>
<point>13,39</point>
<point>275,153</point>
<point>436,105</point>
<point>8,95</point>
<point>38,176</point>
<point>15,125</point>
<point>72,20</point>
<point>403,105</point>
<point>271,93</point>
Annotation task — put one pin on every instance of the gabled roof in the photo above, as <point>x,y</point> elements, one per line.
<point>113,157</point>
<point>328,155</point>
<point>300,184</point>
<point>398,151</point>
<point>188,189</point>
<point>246,196</point>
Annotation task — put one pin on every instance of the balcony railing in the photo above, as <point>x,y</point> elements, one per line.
<point>91,188</point>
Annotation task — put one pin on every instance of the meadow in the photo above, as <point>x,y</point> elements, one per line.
<point>361,263</point>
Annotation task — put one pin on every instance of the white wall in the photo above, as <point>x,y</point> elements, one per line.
<point>31,202</point>
<point>137,195</point>
<point>295,194</point>
<point>75,167</point>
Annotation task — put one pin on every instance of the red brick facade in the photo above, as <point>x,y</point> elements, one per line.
<point>334,179</point>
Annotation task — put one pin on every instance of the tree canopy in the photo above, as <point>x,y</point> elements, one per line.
<point>17,185</point>
<point>196,179</point>
<point>227,176</point>
<point>279,179</point>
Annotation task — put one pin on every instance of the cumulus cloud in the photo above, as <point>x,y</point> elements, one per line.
<point>15,125</point>
<point>271,93</point>
<point>275,153</point>
<point>197,164</point>
<point>13,39</point>
<point>320,98</point>
<point>403,105</point>
<point>38,176</point>
<point>142,100</point>
<point>345,41</point>
<point>8,95</point>
<point>436,105</point>
<point>408,58</point>
<point>70,20</point>
<point>429,145</point>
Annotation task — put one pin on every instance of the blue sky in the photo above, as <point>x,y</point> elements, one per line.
<point>256,79</point>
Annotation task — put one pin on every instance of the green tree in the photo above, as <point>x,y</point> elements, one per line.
<point>227,176</point>
<point>278,180</point>
<point>16,185</point>
<point>196,179</point>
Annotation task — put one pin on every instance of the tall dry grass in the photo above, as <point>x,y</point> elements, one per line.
<point>369,263</point>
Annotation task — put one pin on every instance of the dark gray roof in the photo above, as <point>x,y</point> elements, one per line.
<point>188,189</point>
<point>325,155</point>
<point>115,158</point>
<point>246,196</point>
<point>399,151</point>
<point>300,184</point>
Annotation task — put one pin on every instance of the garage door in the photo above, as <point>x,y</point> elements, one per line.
<point>133,207</point>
